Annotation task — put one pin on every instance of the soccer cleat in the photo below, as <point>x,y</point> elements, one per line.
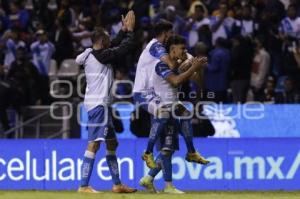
<point>147,183</point>
<point>87,189</point>
<point>196,157</point>
<point>120,188</point>
<point>170,189</point>
<point>148,158</point>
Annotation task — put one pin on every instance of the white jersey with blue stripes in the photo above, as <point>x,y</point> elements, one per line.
<point>99,79</point>
<point>146,66</point>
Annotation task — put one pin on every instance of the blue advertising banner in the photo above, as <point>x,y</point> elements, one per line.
<point>236,164</point>
<point>240,120</point>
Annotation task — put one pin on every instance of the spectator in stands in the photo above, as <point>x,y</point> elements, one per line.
<point>21,86</point>
<point>10,42</point>
<point>246,26</point>
<point>217,71</point>
<point>65,13</point>
<point>170,14</point>
<point>221,25</point>
<point>270,90</point>
<point>18,17</point>
<point>260,70</point>
<point>242,54</point>
<point>290,25</point>
<point>199,28</point>
<point>290,95</point>
<point>42,51</point>
<point>63,42</point>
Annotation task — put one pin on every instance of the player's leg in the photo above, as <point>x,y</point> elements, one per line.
<point>161,117</point>
<point>87,167</point>
<point>112,162</point>
<point>147,180</point>
<point>186,130</point>
<point>166,162</point>
<point>96,129</point>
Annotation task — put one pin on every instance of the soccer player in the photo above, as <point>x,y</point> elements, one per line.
<point>99,77</point>
<point>145,95</point>
<point>166,86</point>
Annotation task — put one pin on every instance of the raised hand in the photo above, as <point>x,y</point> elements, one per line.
<point>129,21</point>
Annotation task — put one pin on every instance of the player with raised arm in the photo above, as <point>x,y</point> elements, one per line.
<point>99,77</point>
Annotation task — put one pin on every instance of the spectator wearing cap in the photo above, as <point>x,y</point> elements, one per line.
<point>42,51</point>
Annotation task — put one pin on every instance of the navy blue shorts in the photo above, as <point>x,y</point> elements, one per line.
<point>100,126</point>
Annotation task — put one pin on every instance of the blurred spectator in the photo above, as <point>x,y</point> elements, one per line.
<point>171,15</point>
<point>290,95</point>
<point>83,36</point>
<point>18,17</point>
<point>221,25</point>
<point>11,41</point>
<point>242,53</point>
<point>290,25</point>
<point>260,70</point>
<point>217,71</point>
<point>42,51</point>
<point>246,26</point>
<point>198,27</point>
<point>20,87</point>
<point>270,90</point>
<point>63,42</point>
<point>65,13</point>
<point>122,87</point>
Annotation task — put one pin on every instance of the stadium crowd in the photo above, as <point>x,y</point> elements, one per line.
<point>252,45</point>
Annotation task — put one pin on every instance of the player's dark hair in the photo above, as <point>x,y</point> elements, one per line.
<point>174,40</point>
<point>161,27</point>
<point>98,33</point>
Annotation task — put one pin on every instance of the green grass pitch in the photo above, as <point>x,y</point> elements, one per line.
<point>143,195</point>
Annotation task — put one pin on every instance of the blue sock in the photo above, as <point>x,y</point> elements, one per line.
<point>156,130</point>
<point>112,163</point>
<point>187,133</point>
<point>158,161</point>
<point>167,166</point>
<point>87,168</point>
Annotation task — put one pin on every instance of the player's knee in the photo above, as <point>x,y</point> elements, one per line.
<point>112,145</point>
<point>166,152</point>
<point>93,146</point>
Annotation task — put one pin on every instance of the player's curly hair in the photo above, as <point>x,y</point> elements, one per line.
<point>174,40</point>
